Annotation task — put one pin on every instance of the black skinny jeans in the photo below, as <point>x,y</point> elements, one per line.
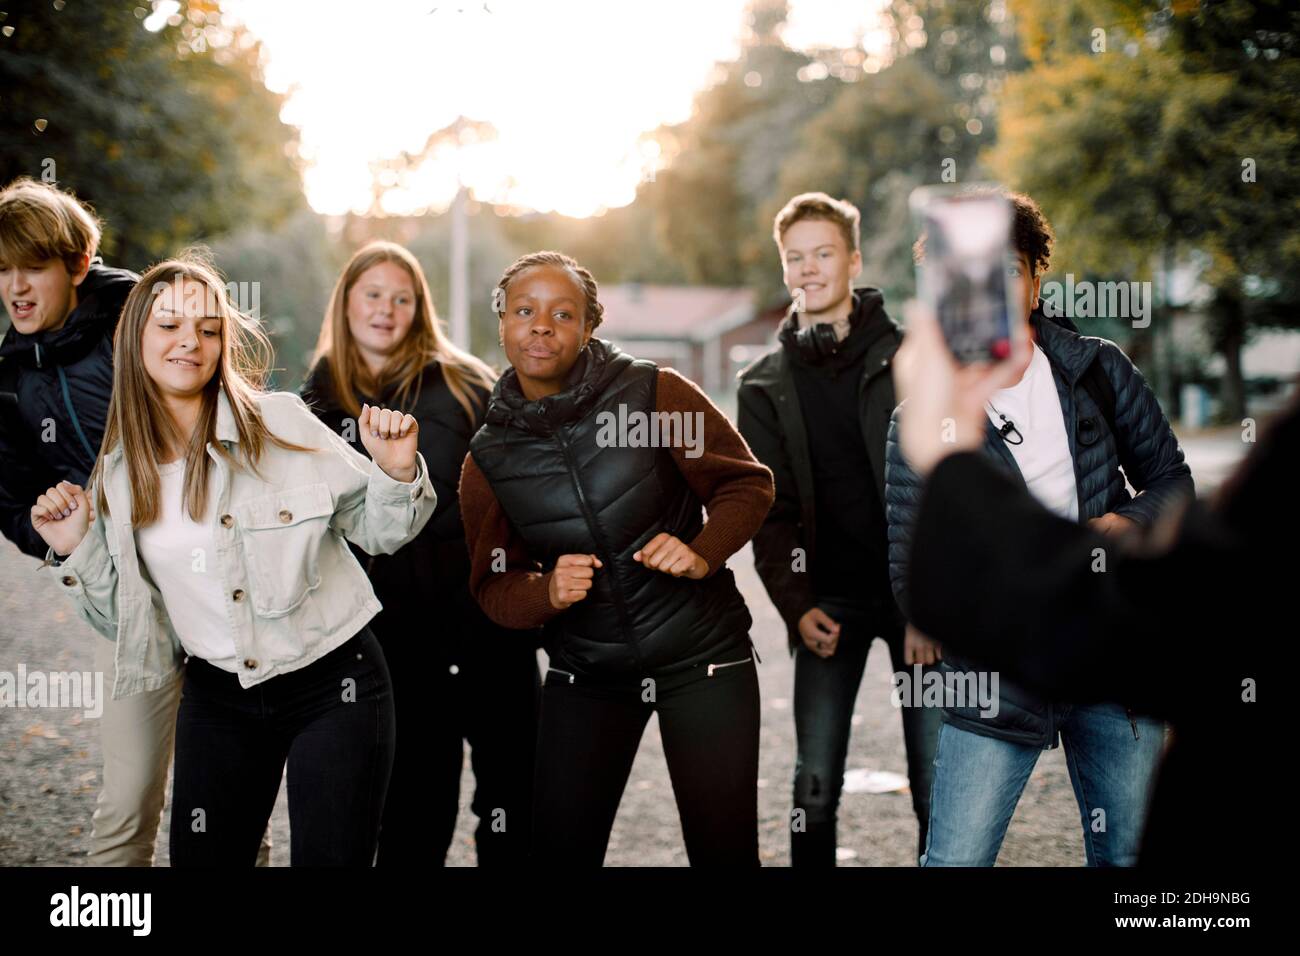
<point>588,738</point>
<point>825,692</point>
<point>490,702</point>
<point>332,721</point>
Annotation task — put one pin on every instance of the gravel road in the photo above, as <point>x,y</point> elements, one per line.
<point>50,759</point>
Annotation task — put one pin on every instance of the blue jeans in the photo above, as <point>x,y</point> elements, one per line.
<point>825,690</point>
<point>978,781</point>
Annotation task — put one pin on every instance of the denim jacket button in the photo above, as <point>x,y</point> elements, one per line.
<point>238,594</point>
<point>286,515</point>
<point>250,663</point>
<point>227,521</point>
<point>69,580</point>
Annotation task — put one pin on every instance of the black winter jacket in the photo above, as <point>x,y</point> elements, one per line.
<point>54,392</point>
<point>1152,461</point>
<point>424,587</point>
<point>771,421</point>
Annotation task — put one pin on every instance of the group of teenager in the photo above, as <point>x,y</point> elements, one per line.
<point>304,580</point>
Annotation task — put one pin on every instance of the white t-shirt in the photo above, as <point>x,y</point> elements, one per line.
<point>1044,455</point>
<point>181,556</point>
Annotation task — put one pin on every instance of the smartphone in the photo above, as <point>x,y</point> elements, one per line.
<point>963,274</point>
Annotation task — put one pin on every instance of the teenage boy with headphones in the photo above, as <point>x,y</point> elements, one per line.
<point>815,409</point>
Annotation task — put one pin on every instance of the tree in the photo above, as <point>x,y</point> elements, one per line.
<point>1149,131</point>
<point>726,160</point>
<point>171,135</point>
<point>880,139</point>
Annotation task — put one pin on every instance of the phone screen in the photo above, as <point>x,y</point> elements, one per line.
<point>963,275</point>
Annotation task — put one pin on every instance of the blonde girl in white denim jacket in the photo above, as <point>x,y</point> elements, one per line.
<point>212,539</point>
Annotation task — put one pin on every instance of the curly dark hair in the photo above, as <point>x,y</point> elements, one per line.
<point>1031,232</point>
<point>594,312</point>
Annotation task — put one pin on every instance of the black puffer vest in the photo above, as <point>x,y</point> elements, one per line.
<point>565,494</point>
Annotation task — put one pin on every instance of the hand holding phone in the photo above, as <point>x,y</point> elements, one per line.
<point>962,275</point>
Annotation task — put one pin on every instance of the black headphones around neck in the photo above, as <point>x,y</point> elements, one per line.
<point>816,341</point>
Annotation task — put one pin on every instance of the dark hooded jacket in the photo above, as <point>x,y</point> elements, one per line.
<point>772,422</point>
<point>54,392</point>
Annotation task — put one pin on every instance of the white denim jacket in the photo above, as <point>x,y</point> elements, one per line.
<point>294,591</point>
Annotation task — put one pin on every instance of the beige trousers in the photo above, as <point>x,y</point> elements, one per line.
<point>136,734</point>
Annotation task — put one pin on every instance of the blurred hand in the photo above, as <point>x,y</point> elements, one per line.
<point>820,632</point>
<point>572,579</point>
<point>665,553</point>
<point>390,438</point>
<point>62,516</point>
<point>1113,525</point>
<point>944,413</point>
<point>919,649</point>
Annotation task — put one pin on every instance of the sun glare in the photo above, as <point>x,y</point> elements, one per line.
<point>572,88</point>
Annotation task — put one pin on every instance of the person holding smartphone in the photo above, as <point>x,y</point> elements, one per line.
<point>1046,429</point>
<point>599,535</point>
<point>212,539</point>
<point>1148,633</point>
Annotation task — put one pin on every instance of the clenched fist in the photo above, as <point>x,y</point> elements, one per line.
<point>390,438</point>
<point>672,556</point>
<point>62,516</point>
<point>571,579</point>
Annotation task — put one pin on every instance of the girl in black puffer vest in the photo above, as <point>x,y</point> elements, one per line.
<point>456,675</point>
<point>582,500</point>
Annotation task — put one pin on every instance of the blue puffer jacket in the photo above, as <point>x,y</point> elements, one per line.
<point>1152,461</point>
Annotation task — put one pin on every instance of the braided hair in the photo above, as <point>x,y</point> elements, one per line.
<point>593,311</point>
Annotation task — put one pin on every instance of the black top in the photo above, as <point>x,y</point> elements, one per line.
<point>852,561</point>
<point>424,587</point>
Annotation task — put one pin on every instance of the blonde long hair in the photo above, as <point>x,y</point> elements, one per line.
<point>425,342</point>
<point>138,418</point>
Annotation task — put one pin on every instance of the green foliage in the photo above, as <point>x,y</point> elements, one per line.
<point>295,266</point>
<point>172,135</point>
<point>873,145</point>
<point>772,127</point>
<point>1179,135</point>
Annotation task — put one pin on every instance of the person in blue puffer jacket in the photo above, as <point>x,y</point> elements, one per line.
<point>1079,412</point>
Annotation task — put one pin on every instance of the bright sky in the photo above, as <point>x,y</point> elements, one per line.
<point>571,87</point>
